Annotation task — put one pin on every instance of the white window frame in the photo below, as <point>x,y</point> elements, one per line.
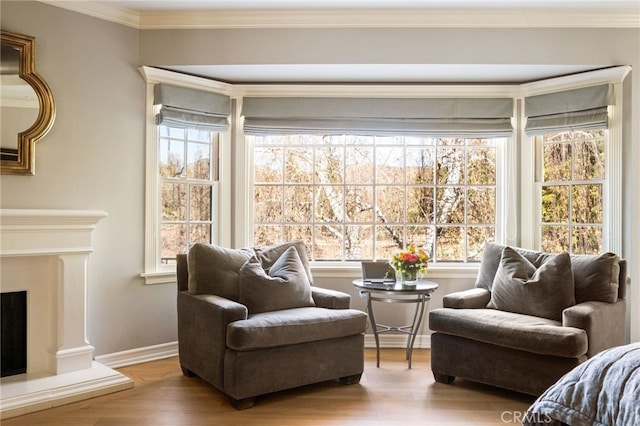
<point>243,231</point>
<point>612,193</point>
<point>516,222</point>
<point>154,271</point>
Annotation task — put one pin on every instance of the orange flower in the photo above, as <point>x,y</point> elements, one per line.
<point>410,259</point>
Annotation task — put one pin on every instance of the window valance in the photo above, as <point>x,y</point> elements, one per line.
<point>185,107</point>
<point>577,109</point>
<point>437,117</point>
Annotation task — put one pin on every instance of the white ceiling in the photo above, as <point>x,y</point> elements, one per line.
<point>191,14</point>
<point>174,5</point>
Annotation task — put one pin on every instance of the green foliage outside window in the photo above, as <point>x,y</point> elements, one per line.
<point>573,170</point>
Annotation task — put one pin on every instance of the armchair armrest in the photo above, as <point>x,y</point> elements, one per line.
<point>331,299</point>
<point>475,298</point>
<point>603,322</point>
<point>202,333</point>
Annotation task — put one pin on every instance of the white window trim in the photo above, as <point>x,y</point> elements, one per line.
<point>530,211</point>
<point>244,180</point>
<point>154,271</point>
<point>516,223</point>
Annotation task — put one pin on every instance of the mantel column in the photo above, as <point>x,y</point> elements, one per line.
<point>73,349</point>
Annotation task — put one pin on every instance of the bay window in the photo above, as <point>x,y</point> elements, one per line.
<point>359,171</point>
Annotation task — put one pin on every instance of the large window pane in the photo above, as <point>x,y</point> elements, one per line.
<point>199,161</point>
<point>555,204</point>
<point>555,239</point>
<point>390,165</point>
<point>171,163</point>
<point>450,244</point>
<point>481,166</point>
<point>420,204</point>
<point>267,164</point>
<point>450,205</point>
<point>421,164</point>
<point>587,203</point>
<point>268,203</point>
<point>371,196</point>
<point>174,240</point>
<point>586,239</point>
<point>590,160</point>
<point>174,201</point>
<point>390,204</point>
<point>299,165</point>
<point>185,158</point>
<point>359,204</point>
<point>200,203</point>
<point>358,165</point>
<point>450,169</point>
<point>577,159</point>
<point>330,204</point>
<point>298,203</point>
<point>268,234</point>
<point>557,162</point>
<point>481,205</point>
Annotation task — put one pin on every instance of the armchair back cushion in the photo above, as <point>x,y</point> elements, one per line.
<point>216,270</point>
<point>596,276</point>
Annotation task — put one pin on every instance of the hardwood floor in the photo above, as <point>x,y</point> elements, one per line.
<point>389,395</point>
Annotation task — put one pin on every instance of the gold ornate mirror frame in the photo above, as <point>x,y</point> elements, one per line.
<point>22,160</point>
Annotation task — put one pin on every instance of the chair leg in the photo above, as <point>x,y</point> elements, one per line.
<point>187,372</point>
<point>242,404</point>
<point>443,378</point>
<point>351,380</point>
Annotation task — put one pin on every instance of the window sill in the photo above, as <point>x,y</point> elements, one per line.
<point>353,270</point>
<point>163,277</point>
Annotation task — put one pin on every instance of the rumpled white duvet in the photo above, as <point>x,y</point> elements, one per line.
<point>604,390</point>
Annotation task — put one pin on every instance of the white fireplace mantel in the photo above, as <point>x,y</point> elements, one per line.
<point>46,252</point>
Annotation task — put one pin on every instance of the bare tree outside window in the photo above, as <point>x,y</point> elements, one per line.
<point>355,197</point>
<point>187,188</point>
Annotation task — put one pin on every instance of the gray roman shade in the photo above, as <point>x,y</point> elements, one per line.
<point>437,117</point>
<point>577,109</point>
<point>184,107</point>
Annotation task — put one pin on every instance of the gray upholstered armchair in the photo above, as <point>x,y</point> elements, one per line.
<point>532,317</point>
<point>251,323</point>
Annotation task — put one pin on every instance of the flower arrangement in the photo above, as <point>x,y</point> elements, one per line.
<point>410,261</point>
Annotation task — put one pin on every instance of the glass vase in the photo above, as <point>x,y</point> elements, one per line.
<point>409,277</point>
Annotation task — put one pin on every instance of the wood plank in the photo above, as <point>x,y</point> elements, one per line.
<point>389,395</point>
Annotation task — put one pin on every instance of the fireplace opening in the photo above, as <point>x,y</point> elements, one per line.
<point>14,333</point>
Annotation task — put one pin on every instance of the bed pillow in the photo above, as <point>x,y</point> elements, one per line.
<point>215,270</point>
<point>522,288</point>
<point>285,286</point>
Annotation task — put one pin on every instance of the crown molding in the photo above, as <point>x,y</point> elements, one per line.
<point>357,18</point>
<point>108,11</point>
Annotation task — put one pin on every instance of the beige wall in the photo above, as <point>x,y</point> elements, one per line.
<point>93,158</point>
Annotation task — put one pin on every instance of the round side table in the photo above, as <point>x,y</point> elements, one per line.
<point>397,292</point>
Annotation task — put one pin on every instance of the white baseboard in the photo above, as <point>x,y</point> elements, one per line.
<point>423,341</point>
<point>168,350</point>
<point>27,393</point>
<point>139,355</point>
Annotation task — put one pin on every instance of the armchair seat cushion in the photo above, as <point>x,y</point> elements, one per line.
<point>293,326</point>
<point>516,331</point>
